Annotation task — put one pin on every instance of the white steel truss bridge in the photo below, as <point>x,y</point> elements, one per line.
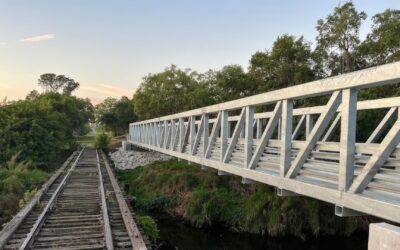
<point>279,138</point>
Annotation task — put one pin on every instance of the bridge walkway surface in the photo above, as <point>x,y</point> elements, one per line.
<point>80,207</point>
<point>280,138</point>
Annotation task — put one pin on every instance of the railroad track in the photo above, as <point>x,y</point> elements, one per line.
<point>80,207</point>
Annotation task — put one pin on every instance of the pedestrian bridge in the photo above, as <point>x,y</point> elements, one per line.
<point>279,138</point>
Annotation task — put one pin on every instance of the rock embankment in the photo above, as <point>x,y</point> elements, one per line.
<point>132,158</point>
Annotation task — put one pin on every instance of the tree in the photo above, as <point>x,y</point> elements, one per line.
<point>288,63</point>
<point>382,44</point>
<point>42,129</point>
<point>116,114</point>
<point>34,94</point>
<point>104,107</point>
<point>232,83</point>
<point>170,91</point>
<point>338,38</point>
<point>53,83</point>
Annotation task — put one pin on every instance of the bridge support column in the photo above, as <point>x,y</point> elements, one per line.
<point>383,236</point>
<point>247,181</point>
<point>127,146</point>
<point>222,173</point>
<point>285,193</point>
<point>346,212</point>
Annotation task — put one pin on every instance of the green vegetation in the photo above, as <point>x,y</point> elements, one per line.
<point>290,61</point>
<point>204,199</point>
<point>18,183</point>
<point>115,115</point>
<point>36,135</point>
<point>42,128</point>
<point>86,140</point>
<point>102,141</point>
<point>149,227</point>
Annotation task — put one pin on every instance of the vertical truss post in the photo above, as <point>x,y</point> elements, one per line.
<point>347,138</point>
<point>279,129</point>
<point>224,133</point>
<point>248,141</point>
<point>258,128</point>
<point>172,142</point>
<point>146,134</point>
<point>205,133</point>
<point>309,125</point>
<point>165,134</point>
<point>181,134</point>
<point>152,133</point>
<point>229,129</point>
<point>286,136</point>
<point>192,135</point>
<point>167,138</point>
<point>158,124</point>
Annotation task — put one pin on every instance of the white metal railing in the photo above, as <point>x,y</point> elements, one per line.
<point>292,148</point>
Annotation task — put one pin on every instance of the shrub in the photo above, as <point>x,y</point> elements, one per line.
<point>149,227</point>
<point>102,141</point>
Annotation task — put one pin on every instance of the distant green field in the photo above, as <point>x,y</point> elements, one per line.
<point>86,140</point>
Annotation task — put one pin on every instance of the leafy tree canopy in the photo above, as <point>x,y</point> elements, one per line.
<point>116,114</point>
<point>382,45</point>
<point>42,128</point>
<point>54,83</point>
<point>170,91</point>
<point>288,63</point>
<point>338,37</point>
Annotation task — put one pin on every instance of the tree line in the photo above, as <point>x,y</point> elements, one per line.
<point>36,134</point>
<point>291,60</point>
<point>41,129</point>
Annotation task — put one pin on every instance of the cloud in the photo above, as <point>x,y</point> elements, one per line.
<point>38,38</point>
<point>108,90</point>
<point>3,43</point>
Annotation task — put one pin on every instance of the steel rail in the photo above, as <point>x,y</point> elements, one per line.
<point>106,220</point>
<point>34,230</point>
<point>13,225</point>
<point>133,231</point>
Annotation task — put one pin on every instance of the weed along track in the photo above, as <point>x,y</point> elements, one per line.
<point>80,207</point>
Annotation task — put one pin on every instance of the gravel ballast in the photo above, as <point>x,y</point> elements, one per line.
<point>131,159</point>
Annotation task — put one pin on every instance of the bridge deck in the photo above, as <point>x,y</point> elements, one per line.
<point>310,151</point>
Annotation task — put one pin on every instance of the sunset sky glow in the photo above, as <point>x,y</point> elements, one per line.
<point>109,46</point>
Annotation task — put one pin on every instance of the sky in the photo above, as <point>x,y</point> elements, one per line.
<point>109,46</point>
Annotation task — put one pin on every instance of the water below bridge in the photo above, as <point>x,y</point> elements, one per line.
<point>175,234</point>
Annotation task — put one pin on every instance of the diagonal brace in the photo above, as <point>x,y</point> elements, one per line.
<point>386,148</point>
<point>316,133</point>
<point>267,134</point>
<point>213,137</point>
<point>235,136</point>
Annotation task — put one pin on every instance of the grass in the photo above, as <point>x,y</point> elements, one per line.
<point>18,183</point>
<point>86,140</point>
<point>203,198</point>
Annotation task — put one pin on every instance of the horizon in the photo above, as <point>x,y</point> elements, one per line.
<point>109,47</point>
